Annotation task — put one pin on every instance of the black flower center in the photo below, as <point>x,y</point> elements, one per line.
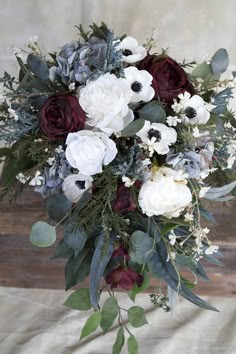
<point>154,134</point>
<point>136,86</point>
<point>126,52</point>
<point>80,184</point>
<point>190,112</point>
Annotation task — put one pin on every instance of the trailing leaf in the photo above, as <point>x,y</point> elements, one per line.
<point>132,345</point>
<point>100,260</point>
<point>91,324</point>
<point>109,313</point>
<point>79,300</point>
<point>119,343</point>
<point>136,316</point>
<point>63,251</point>
<point>77,268</point>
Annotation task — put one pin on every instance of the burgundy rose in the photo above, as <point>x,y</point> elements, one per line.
<point>61,115</point>
<point>123,200</point>
<point>124,277</point>
<point>169,78</point>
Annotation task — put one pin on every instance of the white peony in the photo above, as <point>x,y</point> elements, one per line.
<point>140,83</point>
<point>157,137</point>
<point>75,185</point>
<point>132,52</point>
<point>105,102</point>
<point>88,151</point>
<point>165,194</point>
<point>195,111</point>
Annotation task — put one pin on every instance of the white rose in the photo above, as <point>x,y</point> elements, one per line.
<point>105,102</point>
<point>165,194</point>
<point>88,151</point>
<point>75,185</point>
<point>157,137</point>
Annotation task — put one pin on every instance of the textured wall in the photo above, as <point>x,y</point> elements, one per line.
<point>190,28</point>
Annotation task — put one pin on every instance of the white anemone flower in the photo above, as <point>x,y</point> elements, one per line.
<point>132,52</point>
<point>75,185</point>
<point>195,111</point>
<point>140,83</point>
<point>157,137</point>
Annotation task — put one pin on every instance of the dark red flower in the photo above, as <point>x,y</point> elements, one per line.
<point>124,277</point>
<point>123,200</point>
<point>120,251</point>
<point>61,115</point>
<point>169,78</point>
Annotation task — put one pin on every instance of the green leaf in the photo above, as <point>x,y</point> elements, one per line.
<point>58,206</point>
<point>91,324</point>
<point>132,345</point>
<point>77,268</point>
<point>202,71</point>
<point>63,251</point>
<point>38,67</point>
<point>4,152</point>
<point>120,340</point>
<point>136,316</point>
<point>133,128</point>
<point>109,313</point>
<point>42,234</point>
<point>86,196</point>
<point>101,256</point>
<point>138,289</point>
<point>220,61</point>
<point>153,112</point>
<point>167,228</point>
<point>74,237</point>
<point>142,245</point>
<point>79,300</point>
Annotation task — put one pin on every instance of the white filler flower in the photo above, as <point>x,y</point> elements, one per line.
<point>140,83</point>
<point>88,151</point>
<point>132,52</point>
<point>75,185</point>
<point>195,111</point>
<point>105,102</point>
<point>157,137</point>
<point>165,194</point>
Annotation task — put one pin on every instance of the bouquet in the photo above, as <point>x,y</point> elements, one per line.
<point>124,143</point>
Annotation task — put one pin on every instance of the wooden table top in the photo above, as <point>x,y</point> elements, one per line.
<point>24,265</point>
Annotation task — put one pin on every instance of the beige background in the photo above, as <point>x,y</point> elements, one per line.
<point>190,28</point>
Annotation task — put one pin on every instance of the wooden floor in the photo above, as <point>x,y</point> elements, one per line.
<point>23,265</point>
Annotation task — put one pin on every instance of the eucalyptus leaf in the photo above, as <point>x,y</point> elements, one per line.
<point>133,128</point>
<point>42,234</point>
<point>58,206</point>
<point>79,300</point>
<point>74,237</point>
<point>137,316</point>
<point>153,112</point>
<point>202,71</point>
<point>63,250</point>
<point>101,257</point>
<point>141,246</point>
<point>109,313</point>
<point>132,345</point>
<point>214,193</point>
<point>77,268</point>
<point>91,324</point>
<point>220,61</point>
<point>38,66</point>
<point>119,343</point>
